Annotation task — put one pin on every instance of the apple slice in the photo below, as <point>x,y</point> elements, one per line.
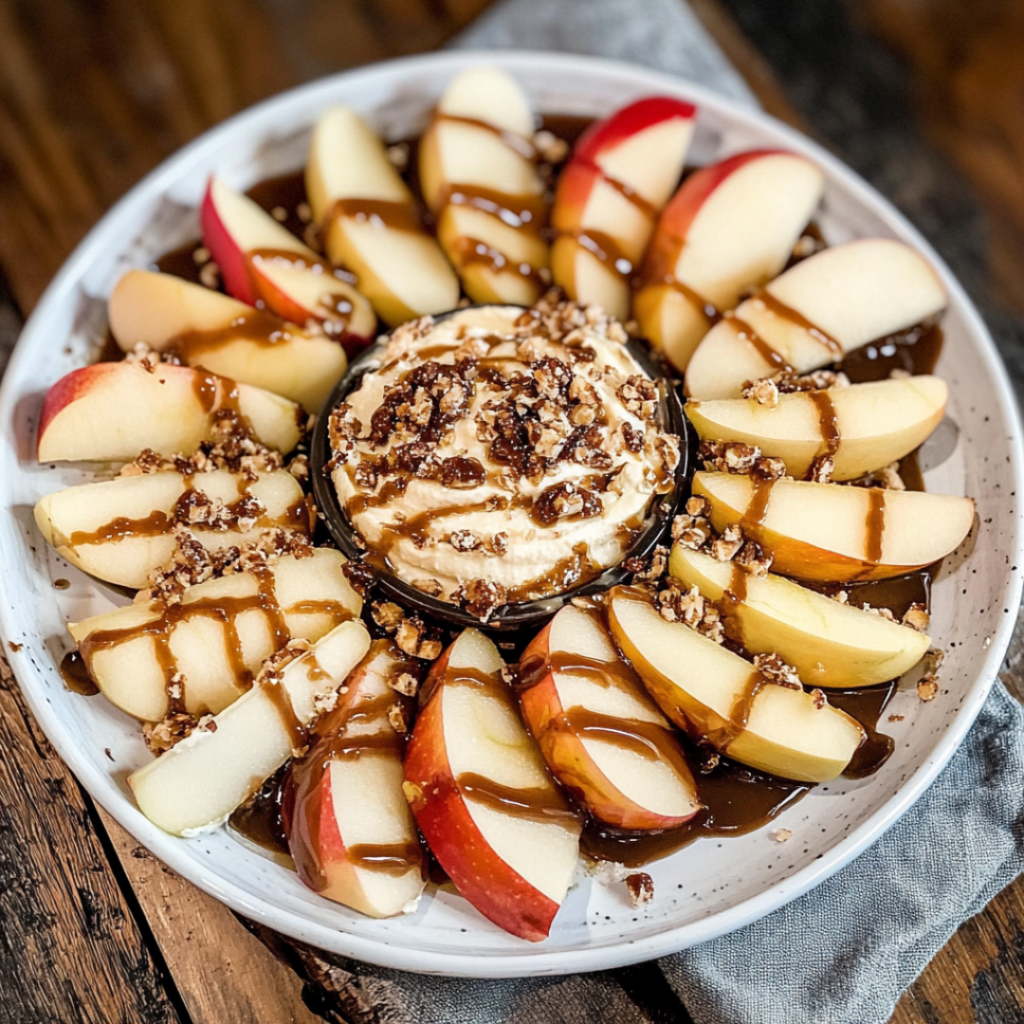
<point>109,412</point>
<point>810,316</point>
<point>214,641</point>
<point>196,784</point>
<point>730,227</point>
<point>122,530</point>
<point>621,173</point>
<point>204,328</point>
<point>599,733</point>
<point>350,830</point>
<point>370,222</point>
<point>480,179</point>
<point>863,427</point>
<point>263,262</point>
<point>482,796</point>
<point>719,698</point>
<point>828,643</point>
<point>831,532</point>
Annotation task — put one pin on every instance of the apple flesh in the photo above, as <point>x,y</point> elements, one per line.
<point>851,294</point>
<point>459,157</point>
<point>370,223</point>
<point>621,173</point>
<point>730,227</point>
<point>217,638</point>
<point>700,685</point>
<point>828,643</point>
<point>196,784</point>
<point>644,784</point>
<point>834,533</point>
<point>109,412</point>
<point>874,424</point>
<point>468,765</point>
<point>122,530</point>
<point>350,830</point>
<point>262,262</point>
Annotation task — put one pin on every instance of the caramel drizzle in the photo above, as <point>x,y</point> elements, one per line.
<point>828,421</point>
<point>513,140</point>
<point>874,525</point>
<point>392,215</point>
<point>526,213</point>
<point>605,249</point>
<point>226,610</point>
<point>386,858</point>
<point>711,313</point>
<point>757,509</point>
<point>159,522</point>
<point>784,312</point>
<point>772,357</point>
<point>648,209</point>
<point>469,251</point>
<point>543,804</point>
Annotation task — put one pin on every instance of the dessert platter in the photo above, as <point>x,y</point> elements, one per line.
<point>502,514</point>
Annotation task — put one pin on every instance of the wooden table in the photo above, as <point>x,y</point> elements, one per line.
<point>93,94</point>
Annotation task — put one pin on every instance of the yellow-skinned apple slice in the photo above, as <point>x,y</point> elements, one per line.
<point>121,530</point>
<point>828,643</point>
<point>730,227</point>
<point>834,533</point>
<point>109,412</point>
<point>482,796</point>
<point>350,830</point>
<point>205,328</point>
<point>621,173</point>
<point>599,733</point>
<point>370,222</point>
<point>197,783</point>
<point>862,427</point>
<point>810,316</point>
<point>201,654</point>
<point>480,179</point>
<point>719,698</point>
<point>263,262</point>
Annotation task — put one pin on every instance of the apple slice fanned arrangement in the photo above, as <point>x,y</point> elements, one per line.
<point>245,657</point>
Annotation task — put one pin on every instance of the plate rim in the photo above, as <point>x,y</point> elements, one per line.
<point>534,960</point>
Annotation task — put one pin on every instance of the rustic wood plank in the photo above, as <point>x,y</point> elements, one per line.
<point>70,948</point>
<point>222,972</point>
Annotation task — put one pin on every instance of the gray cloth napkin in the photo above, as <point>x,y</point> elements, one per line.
<point>844,952</point>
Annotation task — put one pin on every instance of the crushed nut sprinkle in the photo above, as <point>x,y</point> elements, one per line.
<point>405,683</point>
<point>414,638</point>
<point>388,615</point>
<point>641,888</point>
<point>888,478</point>
<point>163,735</point>
<point>927,687</point>
<point>781,835</point>
<point>396,718</point>
<point>917,617</point>
<point>777,671</point>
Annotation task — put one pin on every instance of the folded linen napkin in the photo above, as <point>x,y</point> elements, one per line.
<point>842,953</point>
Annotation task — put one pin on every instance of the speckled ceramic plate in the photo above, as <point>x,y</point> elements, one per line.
<point>704,890</point>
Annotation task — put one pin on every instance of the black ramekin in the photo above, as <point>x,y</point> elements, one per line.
<point>522,614</point>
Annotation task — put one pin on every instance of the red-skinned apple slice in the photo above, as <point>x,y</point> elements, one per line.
<point>719,698</point>
<point>212,643</point>
<point>349,827</point>
<point>483,798</point>
<point>863,427</point>
<point>196,784</point>
<point>837,300</point>
<point>599,732</point>
<point>122,530</point>
<point>831,532</point>
<point>109,412</point>
<point>621,173</point>
<point>730,227</point>
<point>205,328</point>
<point>261,261</point>
<point>480,179</point>
<point>828,643</point>
<point>370,222</point>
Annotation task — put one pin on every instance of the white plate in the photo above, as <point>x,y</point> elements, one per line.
<point>703,891</point>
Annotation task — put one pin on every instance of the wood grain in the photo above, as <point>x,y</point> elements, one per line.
<point>222,972</point>
<point>70,948</point>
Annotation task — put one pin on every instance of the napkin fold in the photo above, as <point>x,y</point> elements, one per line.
<point>844,952</point>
